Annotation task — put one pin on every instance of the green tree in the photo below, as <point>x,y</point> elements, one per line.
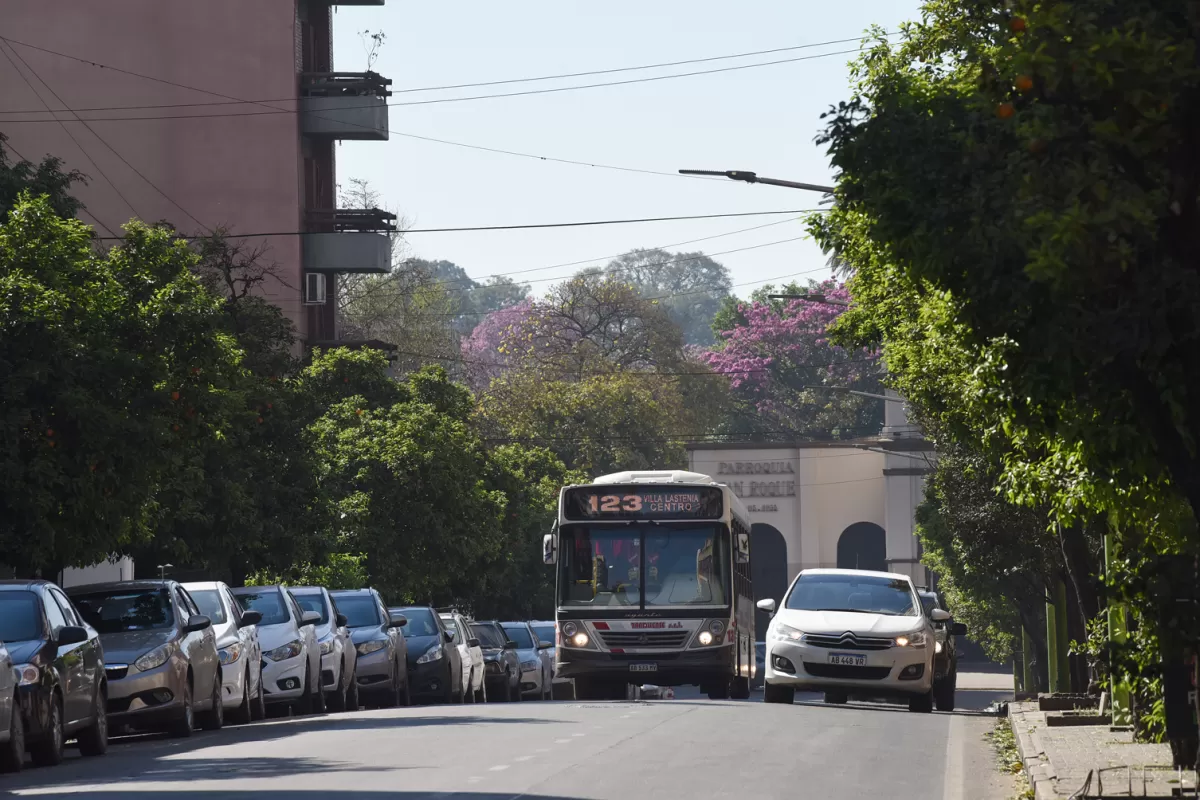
<point>45,179</point>
<point>690,286</point>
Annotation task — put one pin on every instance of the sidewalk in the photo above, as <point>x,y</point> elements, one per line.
<point>1058,759</point>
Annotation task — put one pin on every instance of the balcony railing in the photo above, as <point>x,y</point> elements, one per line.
<point>348,240</point>
<point>345,105</point>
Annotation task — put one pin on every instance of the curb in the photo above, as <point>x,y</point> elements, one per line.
<point>1038,769</point>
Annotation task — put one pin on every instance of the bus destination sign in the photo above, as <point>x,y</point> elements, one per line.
<point>642,502</point>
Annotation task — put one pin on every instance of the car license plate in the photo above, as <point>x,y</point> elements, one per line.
<point>848,659</point>
<point>643,667</point>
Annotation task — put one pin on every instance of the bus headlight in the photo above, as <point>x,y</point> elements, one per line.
<point>705,638</point>
<point>569,629</point>
<point>717,628</point>
<point>580,639</point>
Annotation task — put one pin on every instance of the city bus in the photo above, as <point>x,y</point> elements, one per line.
<point>653,585</point>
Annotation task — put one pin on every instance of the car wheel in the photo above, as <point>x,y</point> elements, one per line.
<point>481,694</point>
<point>244,713</point>
<point>740,688</point>
<point>259,708</point>
<point>514,690</point>
<point>337,700</point>
<point>406,695</point>
<point>214,718</point>
<point>719,690</point>
<point>943,692</point>
<point>48,752</point>
<point>12,754</point>
<point>304,705</point>
<point>93,741</point>
<point>547,688</point>
<point>352,693</point>
<point>185,721</point>
<point>921,703</point>
<point>774,693</point>
<point>836,698</point>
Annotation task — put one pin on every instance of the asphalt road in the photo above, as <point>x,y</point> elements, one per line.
<point>682,748</point>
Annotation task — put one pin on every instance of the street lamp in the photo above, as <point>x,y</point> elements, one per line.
<point>162,570</point>
<point>848,390</point>
<point>751,177</point>
<point>812,298</point>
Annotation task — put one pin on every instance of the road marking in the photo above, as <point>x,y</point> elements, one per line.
<point>953,785</point>
<point>498,768</point>
<point>522,758</point>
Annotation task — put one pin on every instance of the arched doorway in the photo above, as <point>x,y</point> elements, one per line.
<point>768,570</point>
<point>863,545</point>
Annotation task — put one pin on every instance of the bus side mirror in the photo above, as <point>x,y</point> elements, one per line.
<point>549,549</point>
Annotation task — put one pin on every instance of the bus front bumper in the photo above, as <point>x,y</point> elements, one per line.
<point>675,668</point>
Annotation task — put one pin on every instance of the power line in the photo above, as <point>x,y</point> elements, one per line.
<point>111,149</point>
<point>413,90</point>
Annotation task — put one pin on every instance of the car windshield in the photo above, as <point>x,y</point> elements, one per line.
<point>520,635</point>
<point>209,603</point>
<point>420,622</point>
<point>449,624</point>
<point>20,617</point>
<point>313,602</point>
<point>268,602</point>
<point>868,594</point>
<point>544,632</point>
<point>487,635</point>
<point>602,566</point>
<point>361,610</point>
<point>929,603</point>
<point>121,610</point>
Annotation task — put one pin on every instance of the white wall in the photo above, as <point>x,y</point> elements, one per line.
<point>104,572</point>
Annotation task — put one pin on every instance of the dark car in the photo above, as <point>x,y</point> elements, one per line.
<point>381,669</point>
<point>60,666</point>
<point>161,661</point>
<point>502,665</point>
<point>434,663</point>
<point>945,658</point>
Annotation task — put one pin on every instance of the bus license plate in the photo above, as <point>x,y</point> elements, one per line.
<point>848,659</point>
<point>643,667</point>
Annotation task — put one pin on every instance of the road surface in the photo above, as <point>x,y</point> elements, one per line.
<point>682,748</point>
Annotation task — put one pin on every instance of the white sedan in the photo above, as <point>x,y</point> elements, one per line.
<point>851,632</point>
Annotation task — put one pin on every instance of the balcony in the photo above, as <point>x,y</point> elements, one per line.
<point>348,240</point>
<point>345,105</point>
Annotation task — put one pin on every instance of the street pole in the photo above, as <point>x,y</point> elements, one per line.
<point>751,177</point>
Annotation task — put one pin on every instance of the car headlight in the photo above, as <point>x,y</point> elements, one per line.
<point>431,655</point>
<point>27,674</point>
<point>285,651</point>
<point>373,646</point>
<point>230,654</point>
<point>327,646</point>
<point>154,659</point>
<point>914,639</point>
<point>786,633</point>
<point>529,665</point>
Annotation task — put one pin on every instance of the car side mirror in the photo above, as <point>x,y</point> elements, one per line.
<point>958,629</point>
<point>70,634</point>
<point>310,618</point>
<point>472,643</point>
<point>398,621</point>
<point>510,645</point>
<point>449,636</point>
<point>342,621</point>
<point>939,615</point>
<point>545,645</point>
<point>197,622</point>
<point>549,549</point>
<point>767,604</point>
<point>250,618</point>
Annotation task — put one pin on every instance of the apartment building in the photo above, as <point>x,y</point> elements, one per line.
<point>226,113</point>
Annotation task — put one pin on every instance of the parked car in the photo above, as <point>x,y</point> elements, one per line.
<point>851,632</point>
<point>536,667</point>
<point>760,665</point>
<point>470,654</point>
<point>434,664</point>
<point>291,664</point>
<point>503,667</point>
<point>237,647</point>
<point>338,656</point>
<point>548,632</point>
<point>945,651</point>
<point>382,654</point>
<point>160,655</point>
<point>60,670</point>
<point>12,731</point>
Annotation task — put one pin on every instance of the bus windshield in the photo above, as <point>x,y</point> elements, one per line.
<point>644,565</point>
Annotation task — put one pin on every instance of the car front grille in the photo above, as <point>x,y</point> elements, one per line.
<point>622,639</point>
<point>846,671</point>
<point>847,641</point>
<point>115,672</point>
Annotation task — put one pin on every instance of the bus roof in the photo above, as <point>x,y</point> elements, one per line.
<point>658,476</point>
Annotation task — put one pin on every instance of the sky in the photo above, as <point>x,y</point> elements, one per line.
<point>762,119</point>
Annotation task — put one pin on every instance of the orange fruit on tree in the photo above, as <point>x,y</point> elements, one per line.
<point>1024,83</point>
<point>49,431</point>
<point>1017,24</point>
<point>1005,110</point>
<point>174,395</point>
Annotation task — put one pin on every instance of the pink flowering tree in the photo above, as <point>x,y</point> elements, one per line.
<point>488,351</point>
<point>786,377</point>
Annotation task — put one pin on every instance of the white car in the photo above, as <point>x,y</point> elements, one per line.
<point>471,654</point>
<point>851,632</point>
<point>291,656</point>
<point>236,630</point>
<point>12,733</point>
<point>338,656</point>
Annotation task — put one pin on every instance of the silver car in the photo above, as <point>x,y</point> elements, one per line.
<point>12,733</point>
<point>537,670</point>
<point>338,656</point>
<point>382,652</point>
<point>160,655</point>
<point>237,647</point>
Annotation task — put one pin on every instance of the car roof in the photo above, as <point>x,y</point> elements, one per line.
<point>255,588</point>
<point>23,584</point>
<point>148,583</point>
<point>366,590</point>
<point>202,585</point>
<point>866,572</point>
<point>307,589</point>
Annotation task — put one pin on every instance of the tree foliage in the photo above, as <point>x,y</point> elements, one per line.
<point>690,286</point>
